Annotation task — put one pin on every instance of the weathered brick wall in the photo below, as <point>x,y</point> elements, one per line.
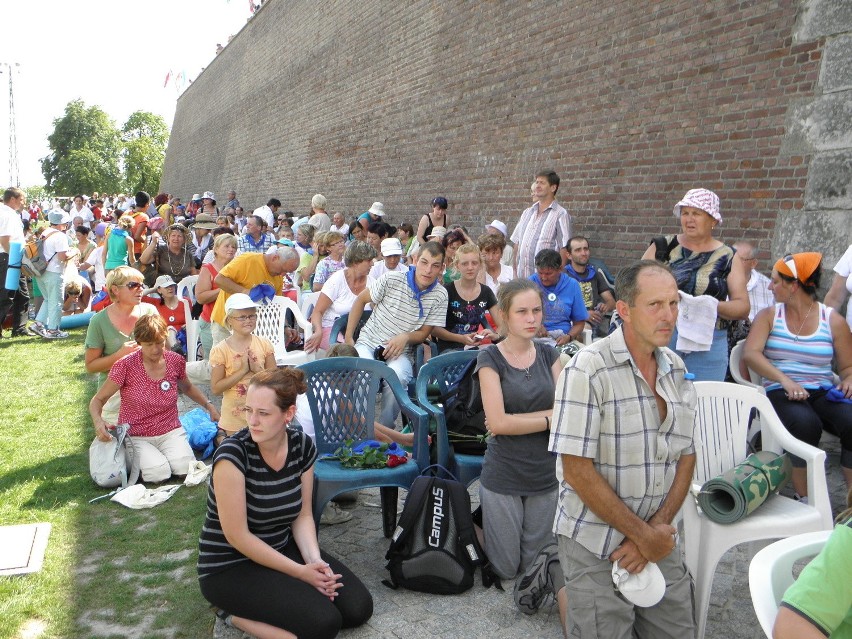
<point>631,102</point>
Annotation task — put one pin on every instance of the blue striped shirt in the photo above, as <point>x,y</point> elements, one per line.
<point>806,359</point>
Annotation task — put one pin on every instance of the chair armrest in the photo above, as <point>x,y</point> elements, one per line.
<point>777,438</point>
<point>419,419</point>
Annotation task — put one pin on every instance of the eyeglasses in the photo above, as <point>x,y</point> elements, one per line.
<point>134,286</point>
<point>245,318</point>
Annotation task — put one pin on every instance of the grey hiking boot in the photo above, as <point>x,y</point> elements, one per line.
<point>536,583</point>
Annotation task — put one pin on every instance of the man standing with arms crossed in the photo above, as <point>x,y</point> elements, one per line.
<point>545,225</point>
<point>623,427</point>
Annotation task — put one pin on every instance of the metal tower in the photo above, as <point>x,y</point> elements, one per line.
<point>14,175</point>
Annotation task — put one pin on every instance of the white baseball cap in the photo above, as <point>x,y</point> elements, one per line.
<point>238,302</point>
<point>644,589</point>
<point>500,226</point>
<point>391,246</point>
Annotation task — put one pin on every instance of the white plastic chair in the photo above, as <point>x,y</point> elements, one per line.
<point>186,291</point>
<point>721,425</point>
<point>307,303</point>
<point>271,324</point>
<point>771,573</point>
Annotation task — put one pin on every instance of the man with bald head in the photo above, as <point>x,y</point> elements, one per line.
<point>245,272</point>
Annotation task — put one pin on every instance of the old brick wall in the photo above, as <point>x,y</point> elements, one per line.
<point>632,102</point>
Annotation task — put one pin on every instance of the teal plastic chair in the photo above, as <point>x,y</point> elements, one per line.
<point>339,327</point>
<point>342,394</point>
<point>438,375</point>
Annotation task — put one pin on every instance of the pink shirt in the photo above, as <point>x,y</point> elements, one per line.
<point>149,406</point>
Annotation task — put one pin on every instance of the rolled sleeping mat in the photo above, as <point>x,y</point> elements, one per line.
<point>731,496</point>
<point>76,321</point>
<point>13,274</point>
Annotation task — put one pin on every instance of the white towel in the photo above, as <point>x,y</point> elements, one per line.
<point>696,321</point>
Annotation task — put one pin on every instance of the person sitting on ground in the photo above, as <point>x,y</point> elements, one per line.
<point>253,239</point>
<point>819,603</point>
<point>259,560</point>
<point>596,290</point>
<point>236,359</point>
<point>468,301</point>
<point>494,272</point>
<point>77,297</point>
<point>334,245</point>
<point>339,225</point>
<point>339,293</point>
<point>565,312</point>
<point>163,296</point>
<point>792,346</point>
<point>148,381</point>
<point>173,255</point>
<point>391,249</point>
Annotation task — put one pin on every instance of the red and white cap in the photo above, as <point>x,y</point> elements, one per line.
<point>702,199</point>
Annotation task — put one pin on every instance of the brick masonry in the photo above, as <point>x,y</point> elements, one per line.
<point>631,102</point>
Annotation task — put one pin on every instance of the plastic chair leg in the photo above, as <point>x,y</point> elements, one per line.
<point>389,496</point>
<point>703,587</point>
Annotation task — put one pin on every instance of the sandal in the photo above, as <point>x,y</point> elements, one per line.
<point>224,616</point>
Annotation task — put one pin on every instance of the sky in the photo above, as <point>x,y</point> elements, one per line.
<point>111,53</point>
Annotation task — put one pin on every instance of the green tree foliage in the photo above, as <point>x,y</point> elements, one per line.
<point>145,136</point>
<point>85,149</point>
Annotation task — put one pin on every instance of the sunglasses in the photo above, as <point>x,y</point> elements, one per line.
<point>134,286</point>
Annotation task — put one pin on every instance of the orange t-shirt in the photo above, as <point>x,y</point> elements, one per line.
<point>139,218</point>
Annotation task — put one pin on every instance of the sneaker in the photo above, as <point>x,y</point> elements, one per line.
<point>333,514</point>
<point>55,334</point>
<point>36,329</point>
<point>532,587</point>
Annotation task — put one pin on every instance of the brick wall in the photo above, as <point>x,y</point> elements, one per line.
<point>631,102</point>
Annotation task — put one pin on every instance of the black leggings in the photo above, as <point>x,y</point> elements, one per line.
<point>255,592</point>
<point>806,421</point>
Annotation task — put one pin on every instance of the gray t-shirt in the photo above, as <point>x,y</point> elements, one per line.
<point>521,464</point>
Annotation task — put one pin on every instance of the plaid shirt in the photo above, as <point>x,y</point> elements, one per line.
<point>538,230</point>
<point>759,295</point>
<point>246,244</point>
<point>604,410</point>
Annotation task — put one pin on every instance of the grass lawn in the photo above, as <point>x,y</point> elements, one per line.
<point>108,571</point>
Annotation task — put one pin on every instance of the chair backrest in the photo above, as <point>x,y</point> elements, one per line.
<point>771,572</point>
<point>186,288</point>
<point>307,303</point>
<point>721,424</point>
<point>442,371</point>
<point>339,326</point>
<point>342,394</point>
<point>272,319</point>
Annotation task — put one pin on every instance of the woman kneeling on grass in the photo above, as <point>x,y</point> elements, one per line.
<point>259,558</point>
<point>149,380</point>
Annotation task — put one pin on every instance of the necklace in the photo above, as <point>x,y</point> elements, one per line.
<point>172,266</point>
<point>526,368</point>
<point>802,325</point>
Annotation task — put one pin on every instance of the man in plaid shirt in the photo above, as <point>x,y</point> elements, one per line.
<point>623,427</point>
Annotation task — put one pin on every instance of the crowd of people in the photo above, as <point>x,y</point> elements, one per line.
<point>622,409</point>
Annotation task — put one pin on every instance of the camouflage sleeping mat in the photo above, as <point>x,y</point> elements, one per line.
<point>733,495</point>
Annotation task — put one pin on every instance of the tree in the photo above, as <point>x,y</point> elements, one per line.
<point>85,149</point>
<point>145,137</point>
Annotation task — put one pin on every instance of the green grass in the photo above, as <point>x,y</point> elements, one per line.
<point>108,571</point>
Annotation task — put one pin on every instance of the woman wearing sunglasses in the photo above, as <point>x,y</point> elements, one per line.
<point>110,334</point>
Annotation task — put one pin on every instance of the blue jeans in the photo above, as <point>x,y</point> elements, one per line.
<point>52,287</point>
<point>707,366</point>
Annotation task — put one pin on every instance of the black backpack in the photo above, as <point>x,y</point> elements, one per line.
<point>464,414</point>
<point>434,548</point>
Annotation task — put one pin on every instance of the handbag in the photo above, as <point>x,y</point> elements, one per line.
<point>113,463</point>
